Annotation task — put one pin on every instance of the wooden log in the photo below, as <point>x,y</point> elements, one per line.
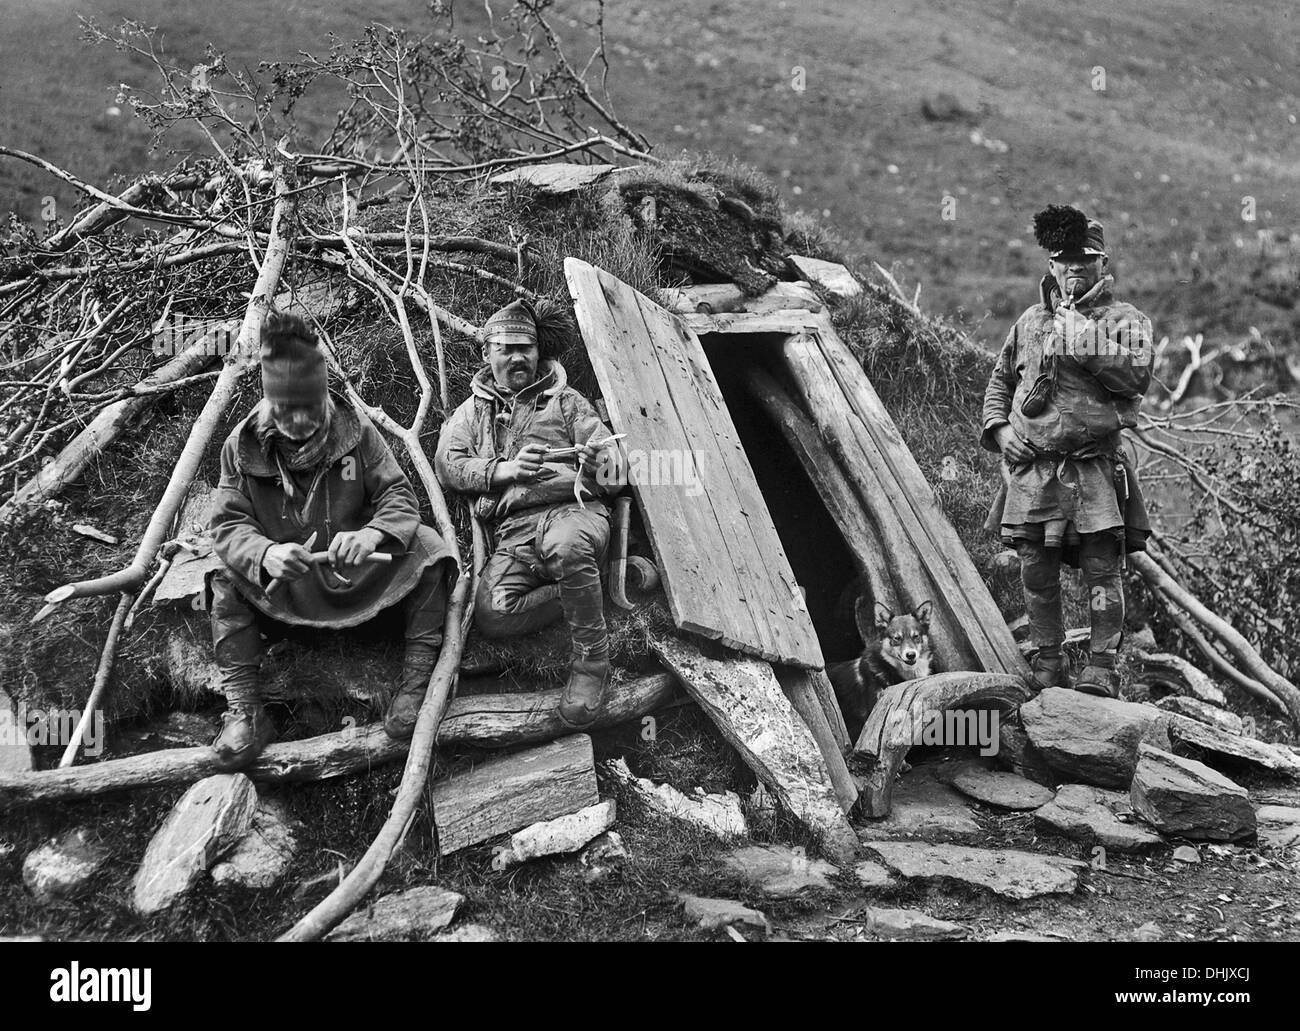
<point>1179,675</point>
<point>745,702</point>
<point>904,711</point>
<point>799,689</point>
<point>719,298</point>
<point>981,620</point>
<point>483,721</point>
<point>208,821</point>
<point>796,320</point>
<point>514,791</point>
<point>913,571</point>
<point>860,534</point>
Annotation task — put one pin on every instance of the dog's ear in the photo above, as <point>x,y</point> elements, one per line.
<point>883,616</point>
<point>922,613</point>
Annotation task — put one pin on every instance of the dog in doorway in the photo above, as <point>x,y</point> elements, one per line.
<point>895,648</point>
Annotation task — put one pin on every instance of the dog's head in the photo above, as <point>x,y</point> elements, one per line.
<point>904,639</point>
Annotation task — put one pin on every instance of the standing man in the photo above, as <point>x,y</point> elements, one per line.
<point>1071,375</point>
<point>307,466</point>
<point>550,546</point>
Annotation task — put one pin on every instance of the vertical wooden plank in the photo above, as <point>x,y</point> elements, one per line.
<point>988,631</point>
<point>800,688</point>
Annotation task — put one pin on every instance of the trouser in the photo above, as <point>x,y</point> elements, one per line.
<point>237,642</point>
<point>1099,561</point>
<point>544,570</point>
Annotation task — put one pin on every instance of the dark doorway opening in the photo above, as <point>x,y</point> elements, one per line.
<point>821,561</point>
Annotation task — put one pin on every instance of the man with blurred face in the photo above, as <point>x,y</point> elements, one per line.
<point>550,545</point>
<point>307,466</point>
<point>1070,377</point>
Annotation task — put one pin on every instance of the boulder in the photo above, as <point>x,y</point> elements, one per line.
<point>1218,747</point>
<point>604,855</point>
<point>1090,740</point>
<point>555,837</point>
<point>1091,815</point>
<point>208,821</point>
<point>1018,754</point>
<point>265,853</point>
<point>62,866</point>
<point>1007,872</point>
<point>1194,708</point>
<point>714,913</point>
<point>1185,798</point>
<point>1187,854</point>
<point>1001,789</point>
<point>402,916</point>
<point>910,925</point>
<point>1278,826</point>
<point>779,871</point>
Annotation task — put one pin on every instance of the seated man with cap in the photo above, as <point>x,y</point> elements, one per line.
<point>548,512</point>
<point>1070,377</point>
<point>306,466</point>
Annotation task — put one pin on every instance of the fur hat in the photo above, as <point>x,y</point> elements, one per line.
<point>293,368</point>
<point>1060,229</point>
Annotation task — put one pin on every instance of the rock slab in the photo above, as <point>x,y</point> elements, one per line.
<point>556,837</point>
<point>910,925</point>
<point>1186,798</point>
<point>780,871</point>
<point>714,913</point>
<point>1001,789</point>
<point>265,853</point>
<point>401,916</point>
<point>1089,814</point>
<point>208,821</point>
<point>1007,872</point>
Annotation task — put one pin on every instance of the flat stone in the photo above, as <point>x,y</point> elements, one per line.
<point>469,933</point>
<point>831,276</point>
<point>1187,854</point>
<point>871,874</point>
<point>779,871</point>
<point>208,821</point>
<point>603,856</point>
<point>1149,932</point>
<point>1215,746</point>
<point>1194,708</point>
<point>926,808</point>
<point>1278,826</point>
<point>1007,872</point>
<point>265,853</point>
<point>555,837</point>
<point>555,178</point>
<point>61,867</point>
<point>1091,815</point>
<point>720,815</point>
<point>1018,754</point>
<point>401,916</point>
<point>1001,789</point>
<point>1090,740</point>
<point>1185,798</point>
<point>1019,936</point>
<point>910,925</point>
<point>714,913</point>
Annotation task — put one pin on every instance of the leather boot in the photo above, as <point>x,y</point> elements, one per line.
<point>246,729</point>
<point>1047,671</point>
<point>404,709</point>
<point>584,694</point>
<point>1098,679</point>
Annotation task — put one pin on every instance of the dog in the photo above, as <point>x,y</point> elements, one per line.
<point>894,649</point>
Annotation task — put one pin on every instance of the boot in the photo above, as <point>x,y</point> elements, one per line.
<point>584,694</point>
<point>404,709</point>
<point>246,729</point>
<point>1047,670</point>
<point>1099,677</point>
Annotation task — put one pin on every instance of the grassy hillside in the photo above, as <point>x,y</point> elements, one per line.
<point>1198,112</point>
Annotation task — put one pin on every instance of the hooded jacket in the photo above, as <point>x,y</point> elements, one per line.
<point>489,427</point>
<point>363,486</point>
